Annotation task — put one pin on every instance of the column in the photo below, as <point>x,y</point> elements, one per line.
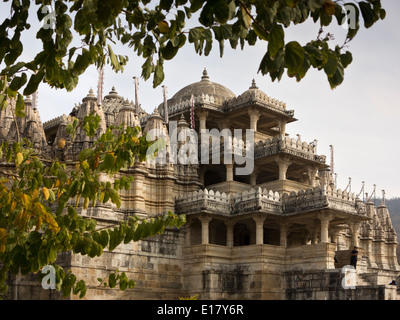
<point>283,164</point>
<point>254,116</point>
<point>188,228</point>
<point>202,115</point>
<point>259,220</point>
<point>229,232</point>
<point>325,218</point>
<point>229,172</point>
<point>283,234</point>
<point>355,231</point>
<point>282,128</point>
<point>205,220</point>
<point>311,173</point>
<point>253,177</point>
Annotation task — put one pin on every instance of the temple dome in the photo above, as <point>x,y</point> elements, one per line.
<point>203,87</point>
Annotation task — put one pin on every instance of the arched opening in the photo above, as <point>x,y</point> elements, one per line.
<point>244,233</point>
<point>195,232</point>
<point>272,236</point>
<point>217,234</point>
<point>241,235</point>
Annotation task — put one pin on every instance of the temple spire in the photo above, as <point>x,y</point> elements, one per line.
<point>136,95</point>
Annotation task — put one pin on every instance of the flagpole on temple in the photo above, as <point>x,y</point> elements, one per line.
<point>165,104</point>
<point>136,95</point>
<point>192,112</point>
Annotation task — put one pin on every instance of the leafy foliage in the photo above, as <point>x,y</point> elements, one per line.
<point>156,32</point>
<point>38,221</point>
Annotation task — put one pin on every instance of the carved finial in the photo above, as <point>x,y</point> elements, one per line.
<point>253,85</point>
<point>205,76</point>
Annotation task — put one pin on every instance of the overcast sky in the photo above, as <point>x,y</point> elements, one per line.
<point>360,118</point>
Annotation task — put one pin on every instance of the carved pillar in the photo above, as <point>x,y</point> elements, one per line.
<point>283,164</point>
<point>253,177</point>
<point>282,128</point>
<point>229,172</point>
<point>202,115</point>
<point>283,234</point>
<point>311,173</point>
<point>325,219</point>
<point>259,220</point>
<point>229,232</point>
<point>355,231</point>
<point>205,220</point>
<point>254,116</point>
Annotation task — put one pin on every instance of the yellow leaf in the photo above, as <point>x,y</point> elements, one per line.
<point>135,140</point>
<point>18,159</point>
<point>86,203</point>
<point>39,223</point>
<point>246,17</point>
<point>46,193</point>
<point>3,233</point>
<point>18,218</point>
<point>47,217</point>
<point>61,143</point>
<point>26,200</point>
<point>163,26</point>
<point>35,194</point>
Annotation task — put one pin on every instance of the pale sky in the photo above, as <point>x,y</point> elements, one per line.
<point>360,118</point>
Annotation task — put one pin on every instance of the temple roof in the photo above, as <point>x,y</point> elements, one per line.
<point>202,87</point>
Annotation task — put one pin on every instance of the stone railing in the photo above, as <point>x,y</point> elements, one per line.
<point>288,145</point>
<point>228,204</point>
<point>257,200</point>
<point>255,96</point>
<point>319,198</point>
<point>210,101</point>
<point>263,200</point>
<point>268,147</point>
<point>198,201</point>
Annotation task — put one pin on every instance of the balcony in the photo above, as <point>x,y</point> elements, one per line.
<point>267,201</point>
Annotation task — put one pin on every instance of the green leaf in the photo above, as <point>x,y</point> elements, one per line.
<point>331,65</point>
<point>315,4</point>
<point>294,56</point>
<point>276,40</point>
<point>346,58</point>
<point>109,161</point>
<point>158,74</point>
<point>85,154</point>
<point>169,51</point>
<point>367,13</point>
<point>34,82</point>
<point>20,106</point>
<point>18,82</point>
<point>112,280</point>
